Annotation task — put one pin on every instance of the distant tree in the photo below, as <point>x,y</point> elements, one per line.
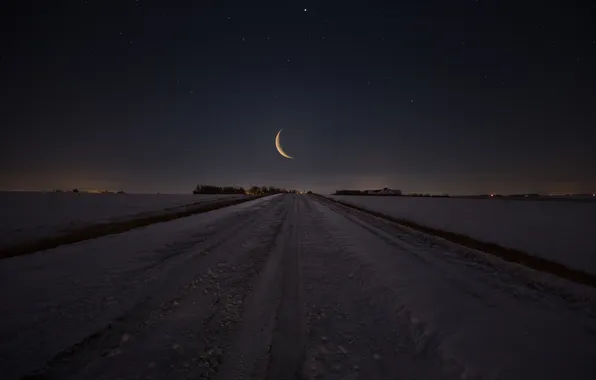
<point>210,189</point>
<point>254,190</point>
<point>207,189</point>
<point>232,190</point>
<point>75,190</point>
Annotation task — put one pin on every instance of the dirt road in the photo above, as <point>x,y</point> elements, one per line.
<point>287,287</point>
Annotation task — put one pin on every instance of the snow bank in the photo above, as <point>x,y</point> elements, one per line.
<point>561,231</point>
<point>28,215</point>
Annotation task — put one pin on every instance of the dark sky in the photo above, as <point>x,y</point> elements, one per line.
<point>427,96</point>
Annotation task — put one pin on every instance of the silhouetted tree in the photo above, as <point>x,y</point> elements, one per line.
<point>207,189</point>
<point>253,190</point>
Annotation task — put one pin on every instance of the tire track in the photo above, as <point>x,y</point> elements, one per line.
<point>271,338</point>
<point>289,339</point>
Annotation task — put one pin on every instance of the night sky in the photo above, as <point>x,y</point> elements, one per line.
<point>462,97</point>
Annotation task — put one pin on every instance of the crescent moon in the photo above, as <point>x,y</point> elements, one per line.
<point>278,146</point>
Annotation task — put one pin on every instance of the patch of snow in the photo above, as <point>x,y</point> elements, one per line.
<point>564,232</point>
<point>30,215</point>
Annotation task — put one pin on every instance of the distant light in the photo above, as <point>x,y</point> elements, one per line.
<point>305,9</point>
<point>492,195</point>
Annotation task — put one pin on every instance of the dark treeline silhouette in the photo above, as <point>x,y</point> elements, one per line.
<point>264,190</point>
<point>384,192</point>
<point>428,195</point>
<point>254,190</point>
<point>210,189</point>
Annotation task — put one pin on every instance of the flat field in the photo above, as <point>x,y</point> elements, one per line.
<point>561,231</point>
<point>27,216</point>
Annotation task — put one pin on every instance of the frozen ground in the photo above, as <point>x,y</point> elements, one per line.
<point>27,216</point>
<point>285,287</point>
<point>564,232</point>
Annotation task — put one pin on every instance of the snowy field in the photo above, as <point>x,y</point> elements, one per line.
<point>29,215</point>
<point>287,287</point>
<point>561,231</point>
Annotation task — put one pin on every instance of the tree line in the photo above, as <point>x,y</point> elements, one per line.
<point>253,190</point>
<point>384,191</point>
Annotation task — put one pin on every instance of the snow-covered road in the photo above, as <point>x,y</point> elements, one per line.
<point>285,287</point>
